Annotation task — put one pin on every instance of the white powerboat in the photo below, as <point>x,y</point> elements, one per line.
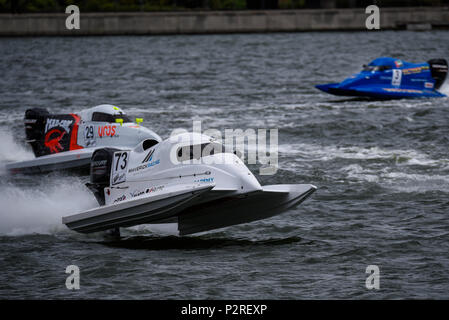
<point>189,179</point>
<point>66,141</point>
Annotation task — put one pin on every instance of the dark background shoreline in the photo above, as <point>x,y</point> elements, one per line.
<point>219,22</point>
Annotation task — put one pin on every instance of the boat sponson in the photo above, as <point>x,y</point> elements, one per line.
<point>135,212</point>
<point>270,201</point>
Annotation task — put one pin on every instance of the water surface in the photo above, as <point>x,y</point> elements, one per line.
<point>381,168</point>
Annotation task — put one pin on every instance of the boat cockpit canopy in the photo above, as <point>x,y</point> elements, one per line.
<point>106,117</point>
<point>375,68</point>
<point>197,151</point>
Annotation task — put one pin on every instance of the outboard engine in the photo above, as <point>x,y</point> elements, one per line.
<point>34,121</point>
<point>100,172</point>
<point>438,68</point>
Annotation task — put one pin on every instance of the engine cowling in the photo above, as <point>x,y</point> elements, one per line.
<point>35,128</point>
<point>439,69</point>
<point>100,172</point>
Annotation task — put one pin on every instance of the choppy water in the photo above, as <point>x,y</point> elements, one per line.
<point>381,167</point>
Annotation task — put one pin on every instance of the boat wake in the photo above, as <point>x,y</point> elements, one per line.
<point>12,151</point>
<point>314,152</point>
<point>445,88</point>
<point>39,209</point>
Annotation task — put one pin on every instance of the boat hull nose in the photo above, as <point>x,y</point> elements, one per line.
<point>327,87</point>
<point>338,89</point>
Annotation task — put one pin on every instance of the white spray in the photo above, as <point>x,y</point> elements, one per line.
<point>37,204</point>
<point>10,150</point>
<point>39,209</point>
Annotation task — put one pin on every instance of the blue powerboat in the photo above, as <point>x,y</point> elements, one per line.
<point>389,78</point>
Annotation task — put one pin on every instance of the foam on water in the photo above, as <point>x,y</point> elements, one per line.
<point>357,173</point>
<point>400,181</point>
<point>445,88</point>
<point>307,152</point>
<point>39,209</point>
<point>10,150</point>
<point>162,229</point>
<point>413,182</point>
<point>381,198</point>
<point>37,206</point>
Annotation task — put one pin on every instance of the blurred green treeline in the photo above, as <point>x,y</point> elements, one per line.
<point>19,6</point>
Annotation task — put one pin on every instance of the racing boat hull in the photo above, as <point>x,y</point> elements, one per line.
<point>388,78</point>
<point>170,182</point>
<point>79,159</point>
<point>67,141</point>
<point>378,92</point>
<point>135,212</point>
<point>190,206</point>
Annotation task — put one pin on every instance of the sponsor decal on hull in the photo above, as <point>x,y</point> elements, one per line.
<point>205,180</point>
<point>398,63</point>
<point>137,193</point>
<point>122,198</point>
<point>119,167</point>
<point>149,156</point>
<point>155,189</point>
<point>60,134</point>
<point>53,140</point>
<point>118,177</point>
<point>144,166</point>
<point>53,123</point>
<point>402,90</point>
<point>107,131</point>
<point>414,70</point>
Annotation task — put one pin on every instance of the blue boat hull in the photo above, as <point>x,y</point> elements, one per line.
<point>388,78</point>
<point>379,92</point>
